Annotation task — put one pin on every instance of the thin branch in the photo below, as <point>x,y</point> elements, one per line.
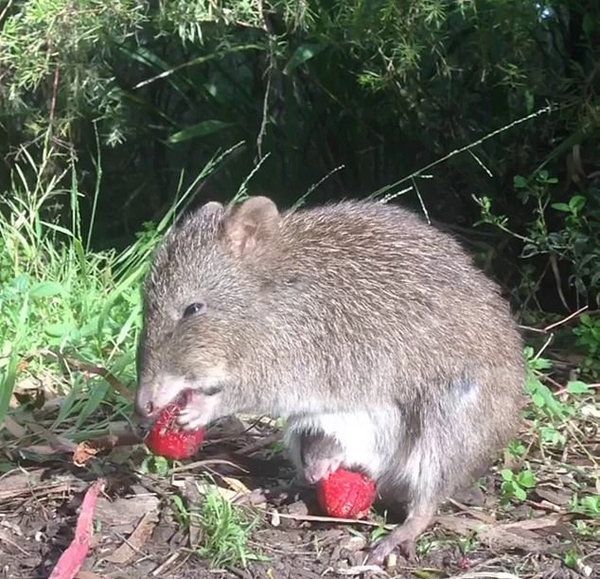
<point>537,113</point>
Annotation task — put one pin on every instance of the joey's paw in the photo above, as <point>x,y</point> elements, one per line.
<point>321,469</point>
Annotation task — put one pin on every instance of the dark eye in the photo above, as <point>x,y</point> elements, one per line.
<point>194,310</point>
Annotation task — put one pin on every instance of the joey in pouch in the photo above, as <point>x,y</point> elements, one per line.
<point>356,321</point>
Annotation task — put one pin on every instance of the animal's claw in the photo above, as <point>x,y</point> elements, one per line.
<point>381,551</point>
<point>191,418</point>
<point>403,537</point>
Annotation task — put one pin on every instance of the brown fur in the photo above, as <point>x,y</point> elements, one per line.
<point>325,312</point>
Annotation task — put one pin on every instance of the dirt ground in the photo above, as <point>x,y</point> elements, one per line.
<point>140,533</point>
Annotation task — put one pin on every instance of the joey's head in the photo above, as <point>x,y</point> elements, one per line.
<point>202,306</point>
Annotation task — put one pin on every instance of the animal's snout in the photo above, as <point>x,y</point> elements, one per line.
<point>157,390</point>
<point>144,406</point>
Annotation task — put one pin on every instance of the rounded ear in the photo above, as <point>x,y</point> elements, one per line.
<point>251,225</point>
<point>212,209</point>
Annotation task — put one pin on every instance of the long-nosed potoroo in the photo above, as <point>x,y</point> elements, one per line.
<point>356,319</point>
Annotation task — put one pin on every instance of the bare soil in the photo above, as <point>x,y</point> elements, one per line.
<point>139,533</point>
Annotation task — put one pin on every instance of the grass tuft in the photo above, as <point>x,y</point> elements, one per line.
<point>226,532</point>
<point>58,295</point>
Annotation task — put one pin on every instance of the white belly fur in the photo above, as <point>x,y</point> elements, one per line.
<point>357,432</point>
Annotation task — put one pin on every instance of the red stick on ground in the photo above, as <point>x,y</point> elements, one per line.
<point>72,559</point>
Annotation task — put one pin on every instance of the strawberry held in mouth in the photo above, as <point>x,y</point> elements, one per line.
<point>167,439</point>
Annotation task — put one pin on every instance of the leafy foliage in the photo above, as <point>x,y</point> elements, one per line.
<point>517,485</point>
<point>58,296</point>
<point>357,94</point>
<point>54,54</point>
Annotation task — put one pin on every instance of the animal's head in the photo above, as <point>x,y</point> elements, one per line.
<point>200,305</point>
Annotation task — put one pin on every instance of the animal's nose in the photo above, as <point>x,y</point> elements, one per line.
<point>144,407</point>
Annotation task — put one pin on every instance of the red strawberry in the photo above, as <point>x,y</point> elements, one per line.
<point>167,439</point>
<point>346,494</point>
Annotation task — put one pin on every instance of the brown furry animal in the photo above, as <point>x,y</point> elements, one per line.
<point>354,320</point>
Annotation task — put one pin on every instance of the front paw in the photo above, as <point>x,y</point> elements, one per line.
<point>198,412</point>
<point>191,419</point>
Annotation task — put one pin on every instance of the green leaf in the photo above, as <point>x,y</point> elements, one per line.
<point>21,283</point>
<point>538,400</point>
<point>529,101</point>
<point>577,387</point>
<point>551,435</point>
<point>378,533</point>
<point>133,319</point>
<point>70,405</point>
<point>507,475</point>
<point>98,392</point>
<point>588,24</point>
<point>576,203</point>
<point>89,329</point>
<point>552,405</point>
<point>571,559</point>
<point>303,54</point>
<point>519,182</point>
<point>543,364</point>
<point>8,375</point>
<point>58,330</point>
<point>591,504</point>
<point>46,289</point>
<point>520,493</point>
<point>561,207</point>
<point>526,479</point>
<point>199,130</point>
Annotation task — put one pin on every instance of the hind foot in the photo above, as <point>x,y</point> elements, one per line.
<point>403,537</point>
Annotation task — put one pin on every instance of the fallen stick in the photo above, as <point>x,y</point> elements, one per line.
<point>72,559</point>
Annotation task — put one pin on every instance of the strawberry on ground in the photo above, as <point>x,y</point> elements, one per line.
<point>167,439</point>
<point>346,494</point>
